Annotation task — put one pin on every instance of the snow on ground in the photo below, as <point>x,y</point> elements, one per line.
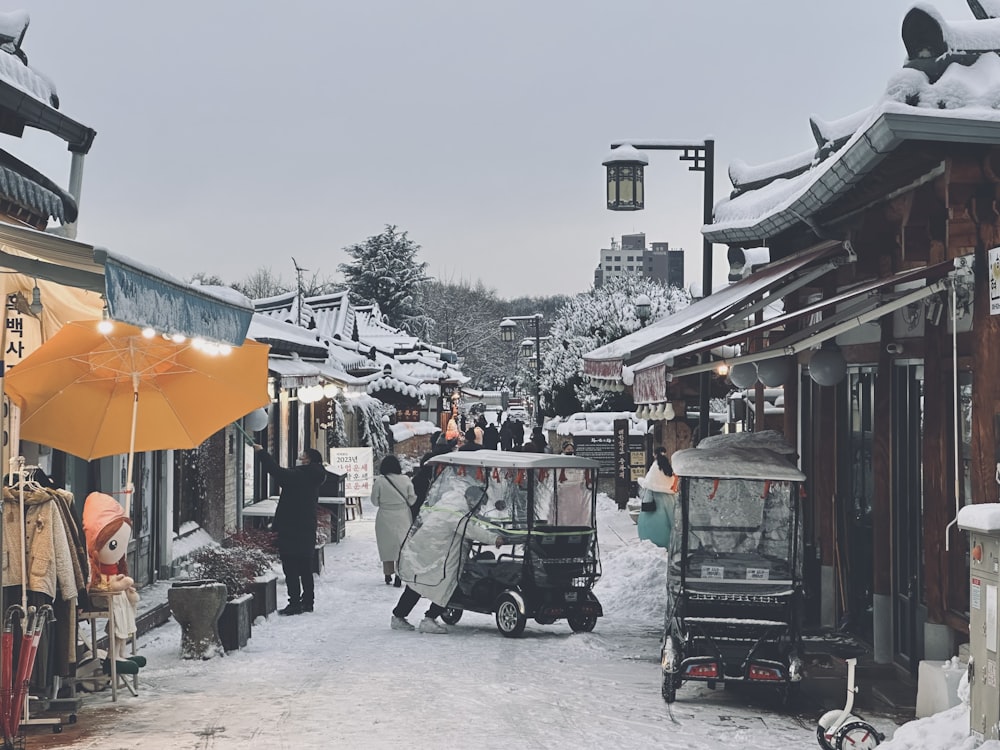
<point>339,677</point>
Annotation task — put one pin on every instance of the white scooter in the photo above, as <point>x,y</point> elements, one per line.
<point>841,730</point>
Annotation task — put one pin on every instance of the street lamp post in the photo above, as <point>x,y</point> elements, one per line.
<point>508,332</point>
<point>625,193</point>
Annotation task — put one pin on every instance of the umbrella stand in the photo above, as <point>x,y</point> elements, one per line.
<point>6,665</point>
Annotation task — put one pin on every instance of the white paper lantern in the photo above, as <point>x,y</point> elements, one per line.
<point>255,421</point>
<point>743,375</point>
<point>827,366</point>
<point>773,372</point>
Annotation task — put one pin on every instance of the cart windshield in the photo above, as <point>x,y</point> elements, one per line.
<point>738,530</point>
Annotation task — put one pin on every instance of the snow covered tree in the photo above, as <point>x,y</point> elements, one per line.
<point>385,270</point>
<point>588,321</point>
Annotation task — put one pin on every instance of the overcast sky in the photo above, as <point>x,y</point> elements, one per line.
<point>236,135</point>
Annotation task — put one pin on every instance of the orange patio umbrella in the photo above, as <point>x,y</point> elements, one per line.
<point>94,394</point>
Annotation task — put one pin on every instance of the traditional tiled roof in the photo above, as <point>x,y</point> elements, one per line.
<point>948,90</point>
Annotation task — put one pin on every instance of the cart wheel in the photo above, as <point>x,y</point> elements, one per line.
<point>857,735</point>
<point>72,718</point>
<point>510,621</point>
<point>451,615</point>
<point>669,687</point>
<point>581,623</point>
<point>545,620</point>
<point>57,729</point>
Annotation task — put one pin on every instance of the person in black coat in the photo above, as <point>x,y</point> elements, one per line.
<point>491,437</point>
<point>506,435</point>
<point>295,523</point>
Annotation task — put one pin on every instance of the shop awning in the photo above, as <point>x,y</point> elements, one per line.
<point>852,307</point>
<point>134,293</point>
<point>728,307</point>
<point>293,372</point>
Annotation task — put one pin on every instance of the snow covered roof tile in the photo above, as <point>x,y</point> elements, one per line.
<point>948,90</point>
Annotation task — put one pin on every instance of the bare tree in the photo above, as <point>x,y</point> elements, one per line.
<point>262,283</point>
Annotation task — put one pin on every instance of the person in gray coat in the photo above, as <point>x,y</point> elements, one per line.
<point>393,495</point>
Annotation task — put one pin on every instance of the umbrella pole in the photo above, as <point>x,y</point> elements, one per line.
<point>131,446</point>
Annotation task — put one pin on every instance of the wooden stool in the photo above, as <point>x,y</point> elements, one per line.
<point>101,609</point>
<point>352,509</point>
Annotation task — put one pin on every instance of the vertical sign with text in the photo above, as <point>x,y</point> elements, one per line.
<point>623,468</point>
<point>357,467</point>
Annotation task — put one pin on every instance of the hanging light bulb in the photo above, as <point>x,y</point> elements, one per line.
<point>35,308</point>
<point>105,326</point>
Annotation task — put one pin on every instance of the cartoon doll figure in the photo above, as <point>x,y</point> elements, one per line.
<point>108,531</point>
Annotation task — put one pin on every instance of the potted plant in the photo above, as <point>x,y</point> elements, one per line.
<point>264,586</point>
<point>237,568</point>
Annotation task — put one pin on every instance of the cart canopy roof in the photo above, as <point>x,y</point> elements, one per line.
<point>770,439</point>
<point>734,463</point>
<point>514,460</point>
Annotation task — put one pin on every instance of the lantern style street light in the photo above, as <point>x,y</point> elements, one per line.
<point>508,332</point>
<point>625,167</point>
<point>643,308</point>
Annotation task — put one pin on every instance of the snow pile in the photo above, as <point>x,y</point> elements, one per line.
<point>634,581</point>
<point>599,423</point>
<point>405,430</point>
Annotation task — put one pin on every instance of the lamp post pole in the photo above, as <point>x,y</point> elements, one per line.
<point>626,193</point>
<point>508,327</point>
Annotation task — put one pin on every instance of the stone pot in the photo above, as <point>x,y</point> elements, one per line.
<point>235,622</point>
<point>197,606</point>
<point>265,595</point>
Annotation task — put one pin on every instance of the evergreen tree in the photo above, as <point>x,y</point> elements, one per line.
<point>385,270</point>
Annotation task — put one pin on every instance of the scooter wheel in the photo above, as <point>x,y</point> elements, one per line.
<point>857,735</point>
<point>821,738</point>
<point>510,619</point>
<point>451,615</point>
<point>581,623</point>
<point>669,688</point>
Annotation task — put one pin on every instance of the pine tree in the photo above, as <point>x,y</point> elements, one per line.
<point>385,270</point>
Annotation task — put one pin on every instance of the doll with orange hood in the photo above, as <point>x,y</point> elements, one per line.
<point>108,531</point>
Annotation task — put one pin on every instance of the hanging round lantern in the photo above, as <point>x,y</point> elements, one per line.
<point>256,420</point>
<point>773,372</point>
<point>827,366</point>
<point>743,375</point>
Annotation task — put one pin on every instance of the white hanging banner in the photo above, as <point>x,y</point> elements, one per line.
<point>994,260</point>
<point>357,467</point>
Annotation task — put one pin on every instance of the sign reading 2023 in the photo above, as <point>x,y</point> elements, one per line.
<point>356,466</point>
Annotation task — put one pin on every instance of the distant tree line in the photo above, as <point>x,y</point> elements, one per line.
<point>465,316</point>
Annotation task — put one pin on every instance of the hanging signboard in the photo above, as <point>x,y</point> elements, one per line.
<point>994,260</point>
<point>356,465</point>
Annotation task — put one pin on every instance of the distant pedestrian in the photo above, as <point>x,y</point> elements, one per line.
<point>393,495</point>
<point>491,437</point>
<point>568,449</point>
<point>537,443</point>
<point>506,435</point>
<point>295,524</point>
<point>517,433</point>
<point>470,443</point>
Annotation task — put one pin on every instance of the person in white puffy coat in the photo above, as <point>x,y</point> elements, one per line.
<point>393,495</point>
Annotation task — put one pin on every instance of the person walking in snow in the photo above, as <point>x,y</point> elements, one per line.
<point>506,435</point>
<point>450,533</point>
<point>491,437</point>
<point>517,433</point>
<point>393,495</point>
<point>295,523</point>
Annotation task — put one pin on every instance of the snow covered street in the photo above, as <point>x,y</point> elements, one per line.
<point>339,677</point>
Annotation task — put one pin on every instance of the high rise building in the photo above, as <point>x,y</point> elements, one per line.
<point>631,256</point>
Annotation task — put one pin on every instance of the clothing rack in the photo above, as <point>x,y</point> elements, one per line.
<point>24,480</point>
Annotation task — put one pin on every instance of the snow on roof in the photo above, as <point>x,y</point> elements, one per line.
<point>734,463</point>
<point>513,460</point>
<point>770,439</point>
<point>405,430</point>
<point>963,91</point>
<point>15,71</point>
<point>980,517</point>
<point>263,326</point>
<point>599,423</point>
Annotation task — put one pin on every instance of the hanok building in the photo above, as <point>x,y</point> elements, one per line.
<point>885,251</point>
